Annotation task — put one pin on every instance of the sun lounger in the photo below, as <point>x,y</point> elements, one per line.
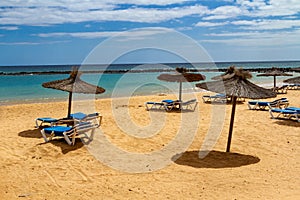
<point>150,105</point>
<point>167,105</point>
<point>262,105</point>
<point>171,105</point>
<point>189,105</point>
<point>281,90</point>
<point>41,121</point>
<point>70,133</point>
<point>48,121</point>
<point>286,113</point>
<point>293,86</point>
<point>218,98</point>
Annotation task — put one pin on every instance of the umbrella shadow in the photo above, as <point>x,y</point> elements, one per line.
<point>33,133</point>
<point>60,142</point>
<point>288,122</point>
<point>215,159</point>
<point>65,148</point>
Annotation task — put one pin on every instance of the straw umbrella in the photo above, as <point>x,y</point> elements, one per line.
<point>274,72</point>
<point>181,76</point>
<point>228,74</point>
<point>295,80</point>
<point>74,84</point>
<point>235,87</point>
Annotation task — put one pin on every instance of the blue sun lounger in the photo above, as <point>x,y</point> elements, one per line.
<point>41,121</point>
<point>70,133</point>
<point>189,105</point>
<point>286,113</point>
<point>151,105</point>
<point>218,98</point>
<point>166,104</point>
<point>49,121</point>
<point>262,105</point>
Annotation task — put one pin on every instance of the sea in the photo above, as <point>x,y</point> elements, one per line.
<point>23,84</point>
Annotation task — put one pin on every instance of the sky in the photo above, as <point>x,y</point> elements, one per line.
<point>50,32</point>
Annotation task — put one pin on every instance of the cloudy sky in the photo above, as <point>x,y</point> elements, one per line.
<point>66,31</point>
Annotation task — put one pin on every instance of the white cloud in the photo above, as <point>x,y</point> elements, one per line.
<point>83,4</point>
<point>267,24</point>
<point>47,15</point>
<point>89,35</point>
<point>210,24</point>
<point>258,39</point>
<point>22,43</point>
<point>258,8</point>
<point>225,12</point>
<point>135,35</point>
<point>255,9</point>
<point>9,28</point>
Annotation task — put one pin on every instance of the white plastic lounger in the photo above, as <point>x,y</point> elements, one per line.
<point>286,113</point>
<point>41,121</point>
<point>150,105</point>
<point>262,105</point>
<point>189,105</point>
<point>70,133</point>
<point>218,98</point>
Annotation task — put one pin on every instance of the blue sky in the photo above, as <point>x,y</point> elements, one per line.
<point>36,32</point>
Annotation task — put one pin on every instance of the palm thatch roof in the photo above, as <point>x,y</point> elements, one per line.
<point>74,84</point>
<point>237,85</point>
<point>274,72</point>
<point>295,80</point>
<point>181,75</point>
<point>228,74</point>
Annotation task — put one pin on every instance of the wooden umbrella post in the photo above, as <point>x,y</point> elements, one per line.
<point>180,94</point>
<point>180,91</point>
<point>70,105</point>
<point>231,123</point>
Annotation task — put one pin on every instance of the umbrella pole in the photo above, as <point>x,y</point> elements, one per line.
<point>180,90</point>
<point>274,82</point>
<point>180,94</point>
<point>231,123</point>
<point>70,104</point>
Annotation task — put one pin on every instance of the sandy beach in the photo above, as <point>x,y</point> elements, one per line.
<point>264,162</point>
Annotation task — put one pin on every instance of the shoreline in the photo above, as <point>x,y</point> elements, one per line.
<point>123,71</point>
<point>64,99</point>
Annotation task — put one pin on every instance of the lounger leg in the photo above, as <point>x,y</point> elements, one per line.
<point>44,135</point>
<point>147,108</point>
<point>37,125</point>
<point>67,138</point>
<point>270,111</point>
<point>88,139</point>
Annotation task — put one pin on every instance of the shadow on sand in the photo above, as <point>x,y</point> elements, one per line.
<point>33,133</point>
<point>288,122</point>
<point>65,148</point>
<point>215,159</point>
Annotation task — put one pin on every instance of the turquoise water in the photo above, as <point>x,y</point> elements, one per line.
<point>28,88</point>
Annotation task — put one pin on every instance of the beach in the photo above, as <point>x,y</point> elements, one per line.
<point>264,162</point>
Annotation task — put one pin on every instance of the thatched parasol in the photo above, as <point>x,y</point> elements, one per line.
<point>235,87</point>
<point>180,76</point>
<point>228,74</point>
<point>274,72</point>
<point>295,80</point>
<point>73,84</point>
